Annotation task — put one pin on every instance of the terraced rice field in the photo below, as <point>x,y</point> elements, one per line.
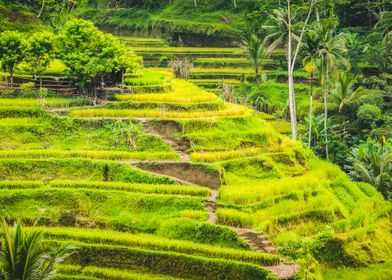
<point>177,184</point>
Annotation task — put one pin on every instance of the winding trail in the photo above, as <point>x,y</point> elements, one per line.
<point>256,240</point>
<point>170,141</point>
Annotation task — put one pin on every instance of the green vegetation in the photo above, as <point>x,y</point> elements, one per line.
<point>108,142</point>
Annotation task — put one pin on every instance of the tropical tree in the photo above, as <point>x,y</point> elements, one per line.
<point>89,54</point>
<point>283,31</point>
<point>11,52</point>
<point>25,256</point>
<point>254,49</point>
<point>329,50</point>
<point>310,61</point>
<point>304,250</point>
<point>344,94</point>
<point>39,52</point>
<point>371,162</point>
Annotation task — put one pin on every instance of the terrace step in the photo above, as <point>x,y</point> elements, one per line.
<point>176,145</point>
<point>256,240</point>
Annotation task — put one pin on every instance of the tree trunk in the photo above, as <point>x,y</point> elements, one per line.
<point>195,3</point>
<point>310,110</point>
<point>40,80</point>
<point>42,8</point>
<point>293,117</point>
<point>235,4</point>
<point>12,78</point>
<point>257,74</point>
<point>326,107</point>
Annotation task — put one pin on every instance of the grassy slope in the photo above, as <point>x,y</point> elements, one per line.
<point>15,17</point>
<point>208,18</point>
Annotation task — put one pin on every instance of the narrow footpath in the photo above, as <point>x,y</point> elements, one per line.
<point>256,240</point>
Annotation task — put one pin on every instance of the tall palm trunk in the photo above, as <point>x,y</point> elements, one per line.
<point>326,76</point>
<point>310,110</point>
<point>42,8</point>
<point>293,115</point>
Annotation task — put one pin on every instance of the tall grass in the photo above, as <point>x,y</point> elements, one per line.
<point>154,242</point>
<point>90,154</point>
<point>47,102</point>
<point>142,188</point>
<point>224,155</point>
<point>182,92</point>
<point>230,110</point>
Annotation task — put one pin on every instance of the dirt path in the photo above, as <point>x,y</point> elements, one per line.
<point>171,142</point>
<point>256,240</point>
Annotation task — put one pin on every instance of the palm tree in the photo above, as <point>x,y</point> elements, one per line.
<point>283,32</point>
<point>24,256</point>
<point>344,93</point>
<point>329,50</point>
<point>254,48</point>
<point>372,163</point>
<point>310,61</point>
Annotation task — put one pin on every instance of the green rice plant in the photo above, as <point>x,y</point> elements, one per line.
<point>194,215</point>
<point>25,122</point>
<point>188,50</point>
<point>203,233</point>
<point>224,155</point>
<point>125,211</point>
<point>75,169</point>
<point>47,102</point>
<point>21,184</point>
<point>143,188</point>
<point>235,218</point>
<point>182,92</point>
<point>210,106</point>
<point>235,133</point>
<point>256,191</point>
<point>148,78</point>
<point>90,154</point>
<point>230,110</point>
<point>91,272</point>
<point>381,271</point>
<point>17,112</point>
<point>170,263</point>
<point>153,242</point>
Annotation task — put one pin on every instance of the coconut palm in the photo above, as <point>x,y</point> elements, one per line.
<point>344,94</point>
<point>310,61</point>
<point>24,256</point>
<point>330,48</point>
<point>254,49</point>
<point>283,32</point>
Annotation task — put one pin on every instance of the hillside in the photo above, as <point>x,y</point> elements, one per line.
<point>153,176</point>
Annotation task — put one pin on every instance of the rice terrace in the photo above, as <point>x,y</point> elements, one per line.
<point>195,139</point>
